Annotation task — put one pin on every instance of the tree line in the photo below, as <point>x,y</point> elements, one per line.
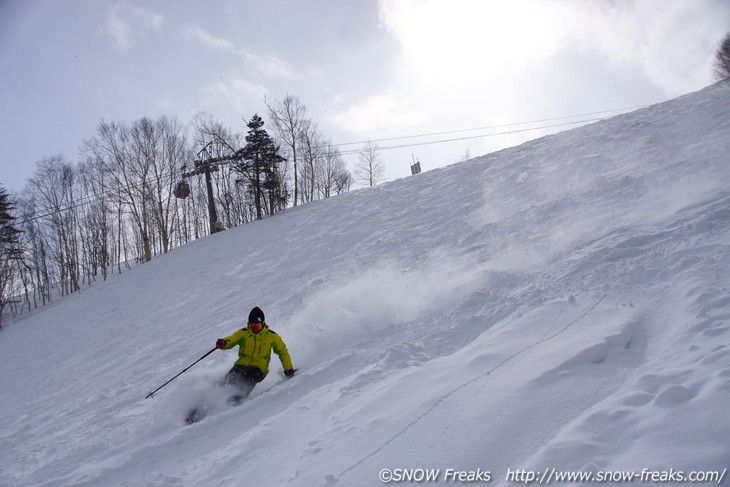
<point>75,223</point>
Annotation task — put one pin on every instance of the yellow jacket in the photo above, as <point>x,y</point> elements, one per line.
<point>255,348</point>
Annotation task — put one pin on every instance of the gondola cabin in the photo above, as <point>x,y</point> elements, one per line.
<point>182,190</point>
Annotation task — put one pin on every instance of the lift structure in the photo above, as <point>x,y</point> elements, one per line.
<point>205,164</point>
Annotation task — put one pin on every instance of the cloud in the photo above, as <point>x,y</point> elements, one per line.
<point>267,64</point>
<point>215,42</point>
<point>271,65</point>
<point>671,43</point>
<point>234,95</point>
<point>378,113</point>
<point>464,43</point>
<point>126,21</point>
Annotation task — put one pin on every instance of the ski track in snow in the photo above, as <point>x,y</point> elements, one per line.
<point>561,304</point>
<point>469,383</point>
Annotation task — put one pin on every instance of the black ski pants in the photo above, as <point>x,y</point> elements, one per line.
<point>244,378</point>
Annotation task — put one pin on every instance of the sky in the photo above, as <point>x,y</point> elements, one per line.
<point>432,80</point>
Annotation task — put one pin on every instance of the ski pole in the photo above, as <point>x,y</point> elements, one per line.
<point>178,375</point>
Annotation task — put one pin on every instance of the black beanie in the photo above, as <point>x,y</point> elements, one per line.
<point>256,315</point>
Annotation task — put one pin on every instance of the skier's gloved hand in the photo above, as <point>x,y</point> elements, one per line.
<point>221,343</point>
<point>289,372</point>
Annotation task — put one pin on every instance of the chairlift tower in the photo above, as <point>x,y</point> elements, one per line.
<point>205,164</point>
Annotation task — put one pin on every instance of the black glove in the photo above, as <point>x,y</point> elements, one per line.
<point>221,343</point>
<point>289,373</point>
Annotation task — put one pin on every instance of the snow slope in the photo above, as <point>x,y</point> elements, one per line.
<point>562,304</point>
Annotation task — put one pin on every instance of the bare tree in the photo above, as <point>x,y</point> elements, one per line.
<point>312,148</point>
<point>140,161</point>
<point>343,181</point>
<point>721,65</point>
<point>54,186</point>
<point>142,167</point>
<point>370,168</point>
<point>332,174</point>
<point>37,278</point>
<point>288,119</point>
<point>98,222</point>
<point>118,155</point>
<point>166,159</point>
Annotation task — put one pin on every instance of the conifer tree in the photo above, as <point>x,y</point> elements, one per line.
<point>259,162</point>
<point>10,250</point>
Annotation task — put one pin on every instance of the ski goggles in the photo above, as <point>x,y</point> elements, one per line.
<point>255,327</point>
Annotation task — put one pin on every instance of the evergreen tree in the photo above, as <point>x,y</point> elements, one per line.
<point>259,162</point>
<point>8,232</point>
<point>10,250</point>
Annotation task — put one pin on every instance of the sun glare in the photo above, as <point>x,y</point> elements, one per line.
<point>468,41</point>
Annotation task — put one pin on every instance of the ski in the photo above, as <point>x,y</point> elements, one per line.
<point>199,413</point>
<point>196,415</point>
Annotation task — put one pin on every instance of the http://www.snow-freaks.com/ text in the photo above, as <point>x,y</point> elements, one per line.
<point>550,476</point>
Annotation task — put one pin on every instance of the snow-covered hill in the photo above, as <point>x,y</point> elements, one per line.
<point>560,305</point>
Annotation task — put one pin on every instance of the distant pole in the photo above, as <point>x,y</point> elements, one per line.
<point>212,214</point>
<point>415,166</point>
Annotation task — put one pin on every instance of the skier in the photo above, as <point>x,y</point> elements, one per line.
<point>255,343</point>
